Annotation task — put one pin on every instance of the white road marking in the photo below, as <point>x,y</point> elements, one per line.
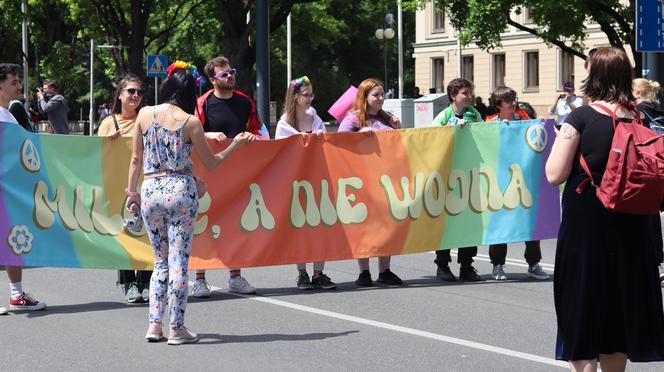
<point>406,330</point>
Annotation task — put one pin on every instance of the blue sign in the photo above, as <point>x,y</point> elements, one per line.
<point>157,66</point>
<point>649,26</point>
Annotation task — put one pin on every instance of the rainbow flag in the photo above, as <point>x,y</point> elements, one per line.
<point>301,199</point>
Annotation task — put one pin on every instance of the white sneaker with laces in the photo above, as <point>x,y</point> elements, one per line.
<point>537,272</point>
<point>201,289</point>
<point>238,284</point>
<point>499,273</point>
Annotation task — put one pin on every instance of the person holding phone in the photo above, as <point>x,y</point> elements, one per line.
<point>367,115</point>
<point>299,117</point>
<point>565,102</point>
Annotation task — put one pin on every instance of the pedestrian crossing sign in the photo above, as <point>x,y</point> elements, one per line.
<point>157,66</point>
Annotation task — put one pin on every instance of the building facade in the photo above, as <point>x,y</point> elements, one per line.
<point>525,63</point>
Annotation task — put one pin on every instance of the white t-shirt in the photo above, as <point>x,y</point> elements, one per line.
<point>7,116</point>
<point>563,109</point>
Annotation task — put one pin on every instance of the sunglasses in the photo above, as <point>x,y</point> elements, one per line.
<point>225,74</point>
<point>132,91</point>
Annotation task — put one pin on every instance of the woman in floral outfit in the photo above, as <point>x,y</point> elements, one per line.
<point>162,142</point>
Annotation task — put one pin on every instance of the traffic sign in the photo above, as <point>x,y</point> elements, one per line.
<point>157,66</point>
<point>649,26</point>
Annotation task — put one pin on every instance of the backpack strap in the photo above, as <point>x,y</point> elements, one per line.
<point>606,109</point>
<point>586,169</point>
<point>115,121</point>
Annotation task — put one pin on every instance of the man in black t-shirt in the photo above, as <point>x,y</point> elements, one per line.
<point>225,112</point>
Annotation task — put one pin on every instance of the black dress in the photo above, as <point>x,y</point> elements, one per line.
<point>606,286</point>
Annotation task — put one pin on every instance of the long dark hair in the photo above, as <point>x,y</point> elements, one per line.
<point>122,84</point>
<point>180,90</point>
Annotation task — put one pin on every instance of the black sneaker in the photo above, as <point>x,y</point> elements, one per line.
<point>322,281</point>
<point>445,274</point>
<point>364,280</point>
<point>303,281</point>
<point>469,274</point>
<point>389,278</point>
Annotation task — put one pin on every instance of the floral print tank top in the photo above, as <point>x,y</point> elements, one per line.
<point>165,150</point>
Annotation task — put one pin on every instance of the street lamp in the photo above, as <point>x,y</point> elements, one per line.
<point>385,34</point>
<point>92,81</point>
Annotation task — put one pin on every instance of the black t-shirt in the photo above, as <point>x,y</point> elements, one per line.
<point>229,116</point>
<point>596,136</point>
<point>21,116</point>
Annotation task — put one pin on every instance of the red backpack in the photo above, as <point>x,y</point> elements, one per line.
<point>633,181</point>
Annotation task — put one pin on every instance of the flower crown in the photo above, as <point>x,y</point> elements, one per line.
<point>298,83</point>
<point>186,66</point>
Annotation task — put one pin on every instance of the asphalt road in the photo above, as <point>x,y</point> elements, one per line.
<point>423,326</point>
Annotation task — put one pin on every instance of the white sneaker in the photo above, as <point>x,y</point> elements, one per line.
<point>201,289</point>
<point>238,284</point>
<point>499,273</point>
<point>3,310</point>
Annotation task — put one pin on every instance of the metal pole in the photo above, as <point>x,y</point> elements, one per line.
<point>385,58</point>
<point>24,30</point>
<point>263,60</point>
<point>459,59</point>
<point>156,90</point>
<point>92,87</point>
<point>400,42</point>
<point>289,65</point>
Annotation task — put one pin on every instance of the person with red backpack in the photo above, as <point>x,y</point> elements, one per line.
<point>607,298</point>
<point>225,112</point>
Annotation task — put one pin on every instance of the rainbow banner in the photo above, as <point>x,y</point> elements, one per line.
<point>302,199</point>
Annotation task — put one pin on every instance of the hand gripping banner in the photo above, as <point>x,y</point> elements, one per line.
<point>302,199</point>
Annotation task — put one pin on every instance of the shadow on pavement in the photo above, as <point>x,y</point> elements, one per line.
<point>211,338</point>
<point>79,308</point>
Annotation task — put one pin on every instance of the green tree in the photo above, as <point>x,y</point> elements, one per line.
<point>559,23</point>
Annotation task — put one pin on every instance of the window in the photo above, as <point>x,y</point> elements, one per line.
<point>528,15</point>
<point>467,68</point>
<point>438,20</point>
<point>498,70</point>
<point>532,71</point>
<point>437,74</point>
<point>566,69</point>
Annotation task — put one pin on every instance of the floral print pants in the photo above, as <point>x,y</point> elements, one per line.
<point>169,206</point>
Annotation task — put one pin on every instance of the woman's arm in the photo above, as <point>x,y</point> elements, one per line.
<point>135,163</point>
<point>211,160</point>
<point>347,124</point>
<point>559,163</point>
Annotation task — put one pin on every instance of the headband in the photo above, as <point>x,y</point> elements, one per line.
<point>185,66</point>
<point>298,83</point>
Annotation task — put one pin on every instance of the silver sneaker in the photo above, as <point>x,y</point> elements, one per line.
<point>537,272</point>
<point>238,284</point>
<point>201,289</point>
<point>499,273</point>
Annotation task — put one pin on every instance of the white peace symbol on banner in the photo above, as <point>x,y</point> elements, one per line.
<point>30,156</point>
<point>536,137</point>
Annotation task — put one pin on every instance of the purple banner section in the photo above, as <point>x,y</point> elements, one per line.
<point>549,195</point>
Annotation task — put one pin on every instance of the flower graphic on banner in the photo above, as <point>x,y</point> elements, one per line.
<point>20,239</point>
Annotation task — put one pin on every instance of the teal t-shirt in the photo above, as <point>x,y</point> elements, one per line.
<point>448,117</point>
